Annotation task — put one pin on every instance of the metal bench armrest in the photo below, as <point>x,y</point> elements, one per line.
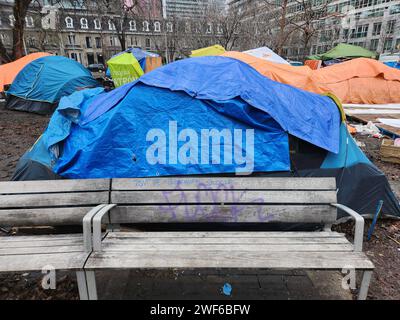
<point>97,220</point>
<point>87,227</point>
<point>359,229</point>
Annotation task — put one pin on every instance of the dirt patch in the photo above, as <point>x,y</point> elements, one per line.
<point>18,132</point>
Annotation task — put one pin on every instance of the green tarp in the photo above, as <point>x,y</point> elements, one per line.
<point>344,50</point>
<point>124,68</point>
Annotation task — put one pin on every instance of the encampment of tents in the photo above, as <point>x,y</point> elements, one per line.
<point>9,71</point>
<point>214,50</point>
<point>41,84</point>
<point>152,127</point>
<point>344,51</point>
<point>267,54</point>
<point>355,81</point>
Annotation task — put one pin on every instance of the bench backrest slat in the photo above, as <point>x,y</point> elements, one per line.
<point>225,199</point>
<point>55,202</point>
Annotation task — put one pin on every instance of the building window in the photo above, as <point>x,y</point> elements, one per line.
<point>169,26</point>
<point>134,42</point>
<point>97,24</point>
<point>157,26</point>
<point>390,26</point>
<point>209,28</point>
<point>98,42</point>
<point>148,43</point>
<point>71,39</point>
<point>388,44</point>
<point>29,22</point>
<point>69,22</point>
<point>360,31</point>
<point>89,42</point>
<point>113,41</point>
<point>132,25</point>
<point>90,58</point>
<point>32,42</point>
<point>146,26</point>
<point>374,44</point>
<point>219,28</point>
<point>376,31</point>
<point>12,20</point>
<point>111,25</point>
<point>84,23</point>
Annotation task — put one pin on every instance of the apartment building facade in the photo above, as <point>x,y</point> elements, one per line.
<point>372,24</point>
<point>91,35</point>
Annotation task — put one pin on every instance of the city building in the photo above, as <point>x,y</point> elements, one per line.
<point>315,26</point>
<point>91,34</point>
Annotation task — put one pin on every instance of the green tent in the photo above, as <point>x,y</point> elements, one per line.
<point>343,50</point>
<point>124,68</point>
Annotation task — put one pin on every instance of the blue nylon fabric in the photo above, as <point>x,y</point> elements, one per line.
<point>50,78</point>
<point>349,153</point>
<point>114,144</point>
<point>308,116</point>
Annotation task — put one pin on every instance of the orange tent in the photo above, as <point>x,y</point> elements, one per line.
<point>300,77</point>
<point>362,80</point>
<point>359,80</point>
<point>9,71</point>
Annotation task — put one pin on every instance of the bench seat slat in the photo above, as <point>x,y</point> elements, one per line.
<point>225,234</point>
<point>27,262</point>
<point>227,259</point>
<point>33,250</point>
<point>224,196</point>
<point>225,247</point>
<point>254,183</point>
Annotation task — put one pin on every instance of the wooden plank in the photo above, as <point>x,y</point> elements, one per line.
<point>222,196</point>
<point>74,185</point>
<point>132,242</point>
<point>43,216</point>
<point>227,234</point>
<point>53,199</point>
<point>217,183</point>
<point>46,244</point>
<point>276,247</point>
<point>231,259</point>
<point>41,238</point>
<point>226,213</point>
<point>59,261</point>
<point>40,250</point>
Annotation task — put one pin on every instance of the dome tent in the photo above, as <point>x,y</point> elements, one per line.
<point>41,84</point>
<point>107,134</point>
<point>9,71</point>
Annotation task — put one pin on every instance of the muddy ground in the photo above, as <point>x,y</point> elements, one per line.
<point>18,132</point>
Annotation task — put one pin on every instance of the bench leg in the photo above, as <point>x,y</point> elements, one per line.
<point>82,286</point>
<point>91,284</point>
<point>362,295</point>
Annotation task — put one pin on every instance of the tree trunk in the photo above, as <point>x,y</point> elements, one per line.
<point>20,10</point>
<point>282,27</point>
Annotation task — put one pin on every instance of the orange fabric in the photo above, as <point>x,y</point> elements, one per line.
<point>313,64</point>
<point>153,63</point>
<point>359,80</point>
<point>9,71</point>
<point>300,77</point>
<point>362,80</point>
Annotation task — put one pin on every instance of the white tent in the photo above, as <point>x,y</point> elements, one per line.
<point>266,54</point>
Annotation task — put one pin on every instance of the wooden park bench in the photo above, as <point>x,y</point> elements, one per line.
<point>230,201</point>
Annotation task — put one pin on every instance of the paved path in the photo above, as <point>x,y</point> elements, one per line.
<point>270,285</point>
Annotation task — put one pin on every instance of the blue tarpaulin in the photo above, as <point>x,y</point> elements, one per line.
<point>107,134</point>
<point>49,78</point>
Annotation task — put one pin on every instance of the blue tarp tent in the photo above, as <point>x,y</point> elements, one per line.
<point>155,125</point>
<point>44,81</point>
